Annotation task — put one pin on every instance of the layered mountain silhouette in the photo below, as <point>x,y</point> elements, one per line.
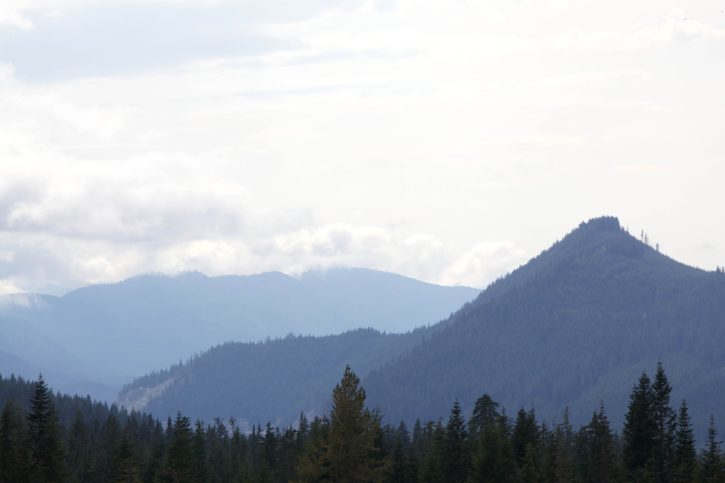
<point>113,333</point>
<point>574,327</point>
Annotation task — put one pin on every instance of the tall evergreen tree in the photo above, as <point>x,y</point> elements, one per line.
<point>485,414</point>
<point>685,458</point>
<point>493,459</point>
<point>14,451</point>
<point>664,417</point>
<point>712,467</point>
<point>525,433</point>
<point>456,461</point>
<point>598,460</point>
<point>640,430</point>
<point>199,451</point>
<point>564,450</point>
<point>433,470</point>
<point>179,467</point>
<point>46,447</point>
<point>349,453</point>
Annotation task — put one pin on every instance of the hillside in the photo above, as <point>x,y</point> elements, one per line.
<point>265,382</point>
<point>570,328</point>
<point>112,333</point>
<point>574,326</point>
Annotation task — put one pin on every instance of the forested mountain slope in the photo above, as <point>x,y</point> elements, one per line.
<point>573,327</point>
<point>265,382</point>
<point>570,328</point>
<point>112,333</point>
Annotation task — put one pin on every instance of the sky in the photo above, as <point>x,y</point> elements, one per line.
<point>447,141</point>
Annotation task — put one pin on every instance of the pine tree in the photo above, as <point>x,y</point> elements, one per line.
<point>664,418</point>
<point>525,433</point>
<point>493,459</point>
<point>485,414</point>
<point>349,453</point>
<point>564,450</point>
<point>640,430</point>
<point>179,467</point>
<point>456,451</point>
<point>685,458</point>
<point>598,460</point>
<point>14,451</point>
<point>199,451</point>
<point>433,470</point>
<point>712,468</point>
<point>46,448</point>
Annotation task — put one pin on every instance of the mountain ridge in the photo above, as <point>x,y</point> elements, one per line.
<point>118,331</point>
<point>568,328</point>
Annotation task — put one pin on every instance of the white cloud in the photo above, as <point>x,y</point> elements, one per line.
<point>424,138</point>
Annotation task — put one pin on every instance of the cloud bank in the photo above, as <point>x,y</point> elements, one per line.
<point>445,141</point>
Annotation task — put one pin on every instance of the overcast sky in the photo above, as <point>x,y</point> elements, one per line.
<point>445,140</point>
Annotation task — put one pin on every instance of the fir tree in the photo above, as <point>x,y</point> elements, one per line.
<point>434,461</point>
<point>456,451</point>
<point>485,414</point>
<point>525,433</point>
<point>493,459</point>
<point>46,448</point>
<point>640,430</point>
<point>598,458</point>
<point>664,418</point>
<point>712,469</point>
<point>564,450</point>
<point>179,467</point>
<point>199,452</point>
<point>685,457</point>
<point>349,453</point>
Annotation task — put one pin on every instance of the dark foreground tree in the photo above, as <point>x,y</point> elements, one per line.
<point>47,452</point>
<point>348,454</point>
<point>179,467</point>
<point>712,468</point>
<point>640,432</point>
<point>456,460</point>
<point>685,457</point>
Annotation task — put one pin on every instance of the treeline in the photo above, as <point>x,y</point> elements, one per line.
<point>353,445</point>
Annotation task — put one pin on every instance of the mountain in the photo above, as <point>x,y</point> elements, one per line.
<point>573,327</point>
<point>265,381</point>
<point>112,333</point>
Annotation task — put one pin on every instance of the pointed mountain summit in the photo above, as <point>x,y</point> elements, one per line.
<point>572,327</point>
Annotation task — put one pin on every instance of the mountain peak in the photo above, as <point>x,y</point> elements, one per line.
<point>602,223</point>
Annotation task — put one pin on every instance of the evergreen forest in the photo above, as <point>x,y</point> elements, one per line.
<point>48,437</point>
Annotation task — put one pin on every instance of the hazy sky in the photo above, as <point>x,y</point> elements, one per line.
<point>445,140</point>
